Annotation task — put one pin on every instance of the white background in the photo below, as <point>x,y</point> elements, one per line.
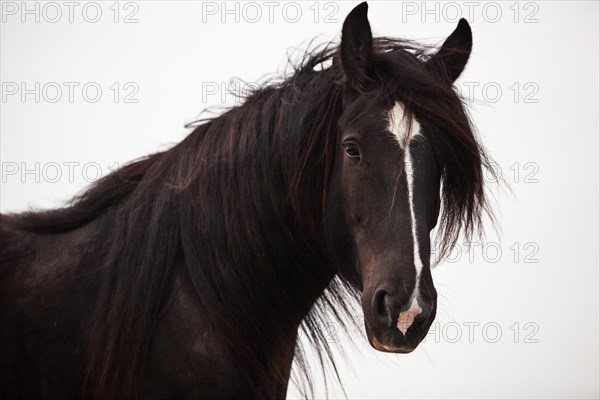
<point>175,52</point>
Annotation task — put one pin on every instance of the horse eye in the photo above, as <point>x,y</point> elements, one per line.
<point>352,151</point>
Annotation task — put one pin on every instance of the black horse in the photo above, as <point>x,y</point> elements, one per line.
<point>187,274</point>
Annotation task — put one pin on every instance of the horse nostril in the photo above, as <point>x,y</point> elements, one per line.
<point>381,306</point>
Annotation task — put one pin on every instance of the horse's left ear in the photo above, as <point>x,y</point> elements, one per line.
<point>356,48</point>
<point>450,61</point>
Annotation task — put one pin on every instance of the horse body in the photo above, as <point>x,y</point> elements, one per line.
<point>48,302</point>
<point>188,273</point>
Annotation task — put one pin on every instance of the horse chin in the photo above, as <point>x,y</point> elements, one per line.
<point>398,350</point>
<point>394,346</point>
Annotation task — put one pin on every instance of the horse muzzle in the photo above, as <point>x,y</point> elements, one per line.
<point>396,323</point>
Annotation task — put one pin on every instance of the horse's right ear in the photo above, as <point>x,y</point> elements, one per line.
<point>356,48</point>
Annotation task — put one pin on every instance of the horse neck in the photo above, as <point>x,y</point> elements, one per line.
<point>258,229</point>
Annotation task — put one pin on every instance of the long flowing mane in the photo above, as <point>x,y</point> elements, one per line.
<point>247,189</point>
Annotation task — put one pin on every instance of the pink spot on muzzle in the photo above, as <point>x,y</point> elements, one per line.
<point>406,318</point>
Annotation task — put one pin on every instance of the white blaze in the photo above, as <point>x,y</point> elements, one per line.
<point>407,317</point>
<point>404,134</point>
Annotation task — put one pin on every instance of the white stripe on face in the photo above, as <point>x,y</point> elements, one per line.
<point>404,134</point>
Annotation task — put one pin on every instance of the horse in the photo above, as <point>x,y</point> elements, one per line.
<point>189,273</point>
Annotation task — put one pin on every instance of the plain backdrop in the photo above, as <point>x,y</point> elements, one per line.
<point>518,312</point>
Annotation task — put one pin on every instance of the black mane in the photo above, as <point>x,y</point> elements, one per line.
<point>243,187</point>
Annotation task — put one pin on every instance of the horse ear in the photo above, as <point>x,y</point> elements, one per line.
<point>356,47</point>
<point>450,61</point>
